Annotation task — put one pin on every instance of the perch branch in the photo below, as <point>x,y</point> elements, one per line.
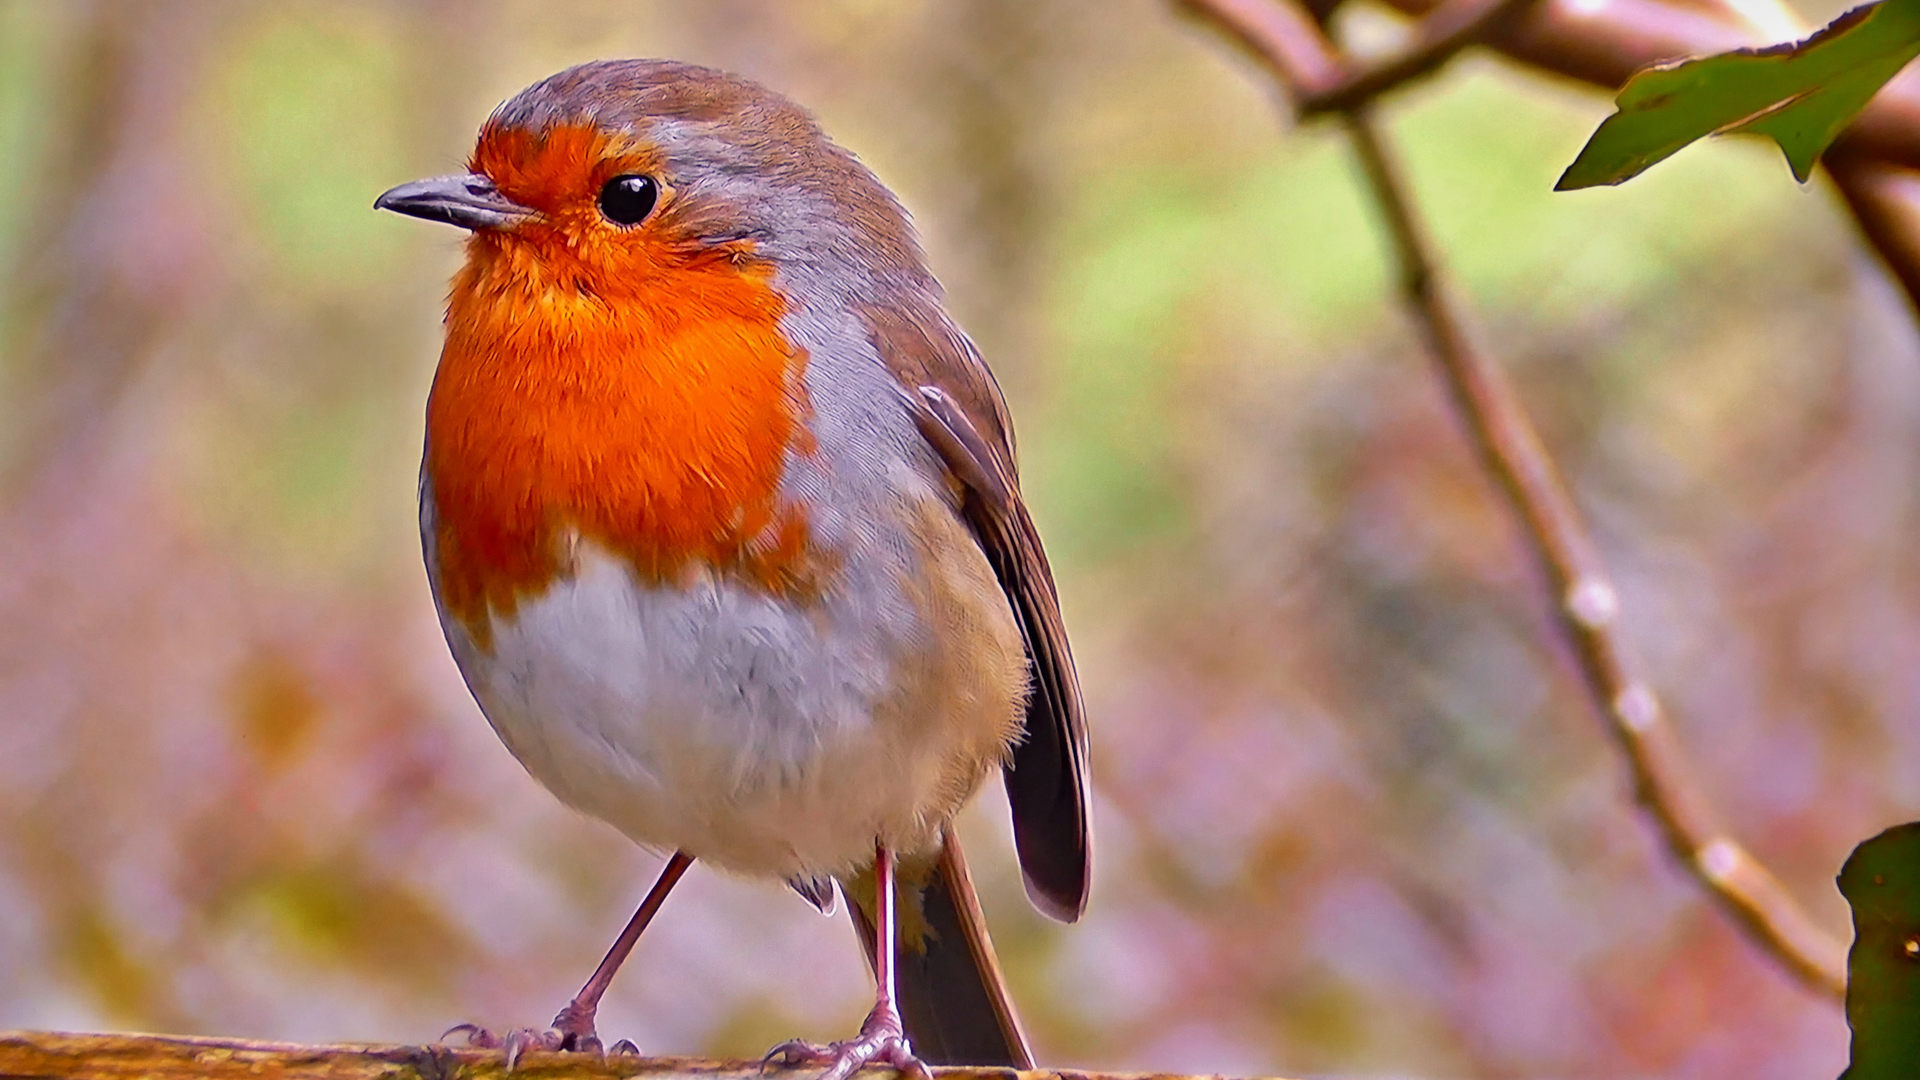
<point>1587,606</point>
<point>34,1055</point>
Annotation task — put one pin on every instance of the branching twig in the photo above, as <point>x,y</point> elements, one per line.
<point>1452,26</point>
<point>1586,606</point>
<point>1283,36</point>
<point>1320,81</point>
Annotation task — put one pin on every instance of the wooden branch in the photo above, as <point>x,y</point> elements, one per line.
<point>1586,606</point>
<point>1883,200</point>
<point>1282,36</point>
<point>41,1055</point>
<point>1437,38</point>
<point>1328,83</point>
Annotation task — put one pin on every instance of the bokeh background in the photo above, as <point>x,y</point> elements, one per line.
<point>1354,816</point>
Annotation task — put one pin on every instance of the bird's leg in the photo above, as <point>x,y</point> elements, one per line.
<point>882,1039</point>
<point>575,1022</point>
<point>573,1027</point>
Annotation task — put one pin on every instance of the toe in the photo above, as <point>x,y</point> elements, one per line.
<point>588,1043</point>
<point>521,1040</point>
<point>884,1049</point>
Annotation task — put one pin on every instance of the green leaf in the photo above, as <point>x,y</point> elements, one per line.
<point>1801,94</point>
<point>1881,881</point>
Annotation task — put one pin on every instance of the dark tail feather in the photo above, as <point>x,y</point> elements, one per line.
<point>953,998</point>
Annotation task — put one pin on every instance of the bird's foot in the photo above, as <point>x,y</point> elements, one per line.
<point>882,1041</point>
<point>515,1042</point>
<point>572,1031</point>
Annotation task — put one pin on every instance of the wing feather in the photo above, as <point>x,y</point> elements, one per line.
<point>961,414</point>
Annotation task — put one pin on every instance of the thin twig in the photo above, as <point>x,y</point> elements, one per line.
<point>1451,27</point>
<point>1282,36</point>
<point>1883,199</point>
<point>1321,81</point>
<point>1587,606</point>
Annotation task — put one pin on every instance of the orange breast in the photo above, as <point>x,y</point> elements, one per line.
<point>655,424</point>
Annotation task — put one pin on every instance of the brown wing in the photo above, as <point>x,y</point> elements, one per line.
<point>964,419</point>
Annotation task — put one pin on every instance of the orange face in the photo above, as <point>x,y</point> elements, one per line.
<point>559,172</point>
<point>618,384</point>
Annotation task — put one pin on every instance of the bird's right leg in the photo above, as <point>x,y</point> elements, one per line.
<point>883,1037</point>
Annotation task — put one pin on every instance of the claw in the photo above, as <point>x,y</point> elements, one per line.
<point>624,1046</point>
<point>473,1032</point>
<point>789,1053</point>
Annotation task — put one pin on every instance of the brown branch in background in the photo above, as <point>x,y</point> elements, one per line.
<point>1587,606</point>
<point>1282,36</point>
<point>1452,26</point>
<point>1320,81</point>
<point>1882,199</point>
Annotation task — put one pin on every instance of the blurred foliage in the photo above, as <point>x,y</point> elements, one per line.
<point>1881,881</point>
<point>1353,814</point>
<point>1799,94</point>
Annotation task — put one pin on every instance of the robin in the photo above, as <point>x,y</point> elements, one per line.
<point>723,525</point>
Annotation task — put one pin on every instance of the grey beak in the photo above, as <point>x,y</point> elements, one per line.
<point>468,200</point>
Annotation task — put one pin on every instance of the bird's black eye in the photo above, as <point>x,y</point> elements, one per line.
<point>629,198</point>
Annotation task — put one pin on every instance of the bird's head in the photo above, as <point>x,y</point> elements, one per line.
<point>605,178</point>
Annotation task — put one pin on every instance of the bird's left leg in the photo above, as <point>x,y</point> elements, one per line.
<point>882,1039</point>
<point>573,1028</point>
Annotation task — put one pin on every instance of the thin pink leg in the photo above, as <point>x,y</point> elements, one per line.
<point>882,1039</point>
<point>573,1028</point>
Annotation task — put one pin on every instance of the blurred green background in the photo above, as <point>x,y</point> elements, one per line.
<point>1354,815</point>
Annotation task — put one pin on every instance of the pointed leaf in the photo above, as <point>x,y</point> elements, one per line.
<point>1802,95</point>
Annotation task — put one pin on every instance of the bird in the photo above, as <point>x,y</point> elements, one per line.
<point>722,518</point>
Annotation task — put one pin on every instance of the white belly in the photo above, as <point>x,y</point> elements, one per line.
<point>753,733</point>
